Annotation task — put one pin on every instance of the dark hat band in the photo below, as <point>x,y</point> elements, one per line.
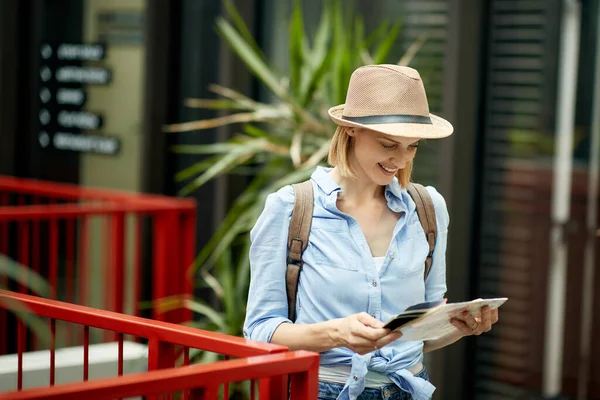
<point>390,119</point>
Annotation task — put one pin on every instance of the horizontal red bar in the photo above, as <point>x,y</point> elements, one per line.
<point>180,378</point>
<point>74,192</point>
<point>46,212</point>
<point>140,327</point>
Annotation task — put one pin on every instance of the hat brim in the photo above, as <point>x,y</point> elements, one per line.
<point>439,128</point>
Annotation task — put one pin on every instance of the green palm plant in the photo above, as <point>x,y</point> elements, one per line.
<point>280,142</point>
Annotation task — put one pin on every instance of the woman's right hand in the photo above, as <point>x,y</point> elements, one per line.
<point>362,333</point>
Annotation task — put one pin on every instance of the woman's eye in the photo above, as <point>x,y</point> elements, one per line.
<point>388,147</point>
<point>413,146</point>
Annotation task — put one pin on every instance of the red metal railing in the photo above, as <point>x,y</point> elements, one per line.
<point>202,381</point>
<point>268,364</point>
<point>66,233</point>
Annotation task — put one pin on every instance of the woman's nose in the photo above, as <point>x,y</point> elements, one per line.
<point>400,158</point>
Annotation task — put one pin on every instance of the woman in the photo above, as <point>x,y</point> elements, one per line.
<point>364,261</point>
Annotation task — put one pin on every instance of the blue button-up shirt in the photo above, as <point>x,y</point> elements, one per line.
<point>340,278</point>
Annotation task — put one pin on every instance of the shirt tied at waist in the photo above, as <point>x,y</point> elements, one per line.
<point>419,388</point>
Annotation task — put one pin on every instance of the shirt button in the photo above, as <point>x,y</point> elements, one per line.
<point>397,209</point>
<point>374,283</point>
<point>355,377</point>
<point>392,255</point>
<point>373,315</point>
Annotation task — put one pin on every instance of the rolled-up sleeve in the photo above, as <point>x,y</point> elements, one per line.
<point>435,285</point>
<point>267,306</point>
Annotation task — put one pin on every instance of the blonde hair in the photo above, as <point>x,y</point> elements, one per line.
<point>339,153</point>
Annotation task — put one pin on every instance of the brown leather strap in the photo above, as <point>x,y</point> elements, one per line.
<point>426,213</point>
<point>298,240</point>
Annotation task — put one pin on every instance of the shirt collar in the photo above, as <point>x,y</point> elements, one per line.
<point>396,196</point>
<point>324,180</point>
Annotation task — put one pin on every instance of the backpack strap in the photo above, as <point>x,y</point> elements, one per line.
<point>299,230</point>
<point>426,213</point>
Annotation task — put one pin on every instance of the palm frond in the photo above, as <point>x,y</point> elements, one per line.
<point>215,104</point>
<point>297,46</point>
<point>24,276</point>
<point>251,59</point>
<point>413,50</point>
<point>385,46</point>
<point>241,26</point>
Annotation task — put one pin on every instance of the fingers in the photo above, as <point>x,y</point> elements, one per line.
<point>486,319</point>
<point>368,346</point>
<point>368,320</point>
<point>368,327</point>
<point>470,320</point>
<point>366,334</point>
<point>461,325</point>
<point>469,324</point>
<point>494,316</point>
<point>387,339</point>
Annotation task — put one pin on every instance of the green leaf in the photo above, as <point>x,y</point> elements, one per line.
<point>377,34</point>
<point>322,39</point>
<point>241,26</point>
<point>213,148</point>
<point>250,57</point>
<point>321,59</point>
<point>216,104</point>
<point>213,315</point>
<point>24,276</point>
<point>235,214</point>
<point>383,50</point>
<point>297,44</point>
<point>316,79</point>
<point>294,177</point>
<point>195,169</point>
<point>241,224</point>
<point>236,96</point>
<point>238,155</point>
<point>30,320</point>
<point>243,269</point>
<point>227,276</point>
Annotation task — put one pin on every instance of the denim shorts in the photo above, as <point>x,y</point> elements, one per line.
<point>330,391</point>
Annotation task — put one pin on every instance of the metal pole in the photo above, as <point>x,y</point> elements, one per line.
<point>561,198</point>
<point>587,313</point>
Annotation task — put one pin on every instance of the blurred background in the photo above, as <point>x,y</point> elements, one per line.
<point>97,93</point>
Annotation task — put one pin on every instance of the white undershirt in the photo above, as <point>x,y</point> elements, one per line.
<point>379,262</point>
<point>339,373</point>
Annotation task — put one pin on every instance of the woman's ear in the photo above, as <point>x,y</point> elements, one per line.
<point>351,132</point>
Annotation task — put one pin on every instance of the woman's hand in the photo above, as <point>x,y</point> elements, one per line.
<point>469,324</point>
<point>362,333</point>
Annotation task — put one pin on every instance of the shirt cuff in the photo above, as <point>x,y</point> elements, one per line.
<point>264,331</point>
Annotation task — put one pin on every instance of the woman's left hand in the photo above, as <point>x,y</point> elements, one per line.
<point>469,324</point>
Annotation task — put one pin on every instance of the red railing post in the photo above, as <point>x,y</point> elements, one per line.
<point>166,262</point>
<point>53,255</point>
<point>305,384</point>
<point>188,251</point>
<point>273,388</point>
<point>117,259</point>
<point>160,262</point>
<point>160,355</point>
<point>205,393</point>
<point>24,251</point>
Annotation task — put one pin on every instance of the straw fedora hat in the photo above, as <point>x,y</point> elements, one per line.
<point>389,99</point>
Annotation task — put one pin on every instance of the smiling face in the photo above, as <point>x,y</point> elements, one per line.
<point>378,157</point>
